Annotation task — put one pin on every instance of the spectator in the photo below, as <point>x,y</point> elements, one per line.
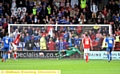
<point>101,16</point>
<point>27,38</point>
<point>51,44</point>
<point>71,41</point>
<point>94,10</point>
<point>115,7</point>
<point>109,6</point>
<point>43,45</point>
<point>72,13</point>
<point>117,22</point>
<point>109,14</point>
<point>77,41</point>
<point>57,3</point>
<point>1,8</point>
<point>5,26</point>
<point>62,3</point>
<point>37,45</point>
<point>83,4</point>
<point>66,35</point>
<point>117,32</point>
<point>34,11</point>
<point>2,33</point>
<point>96,28</point>
<point>99,21</point>
<point>44,11</point>
<point>117,38</point>
<point>65,44</point>
<point>60,45</point>
<point>82,19</point>
<point>104,31</point>
<point>98,36</point>
<point>104,11</point>
<point>15,33</point>
<point>74,2</point>
<point>29,45</point>
<point>49,10</point>
<point>22,38</point>
<point>119,5</point>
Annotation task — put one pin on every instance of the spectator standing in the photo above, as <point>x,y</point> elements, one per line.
<point>49,10</point>
<point>51,44</point>
<point>29,45</point>
<point>65,44</point>
<point>22,41</point>
<point>74,2</point>
<point>2,33</point>
<point>34,11</point>
<point>43,43</point>
<point>1,8</point>
<point>83,4</point>
<point>15,33</point>
<point>71,41</point>
<point>43,11</point>
<point>60,45</point>
<point>115,7</point>
<point>57,3</point>
<point>94,10</point>
<point>77,41</point>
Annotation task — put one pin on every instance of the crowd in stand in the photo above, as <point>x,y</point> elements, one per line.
<point>60,12</point>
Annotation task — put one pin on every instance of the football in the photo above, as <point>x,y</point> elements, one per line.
<point>41,53</point>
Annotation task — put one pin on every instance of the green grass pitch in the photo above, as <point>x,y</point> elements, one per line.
<point>67,66</point>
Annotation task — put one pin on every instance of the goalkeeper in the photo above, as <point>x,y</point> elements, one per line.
<point>69,52</point>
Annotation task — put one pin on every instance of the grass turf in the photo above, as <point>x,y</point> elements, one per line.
<point>67,66</point>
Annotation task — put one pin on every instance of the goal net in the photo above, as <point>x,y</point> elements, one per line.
<point>56,31</point>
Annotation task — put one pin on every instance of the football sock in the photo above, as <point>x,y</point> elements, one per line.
<point>15,55</point>
<point>86,57</point>
<point>8,55</point>
<point>108,56</point>
<point>3,55</point>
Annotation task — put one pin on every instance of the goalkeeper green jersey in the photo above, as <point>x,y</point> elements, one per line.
<point>72,50</point>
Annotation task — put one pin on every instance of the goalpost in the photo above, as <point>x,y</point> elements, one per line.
<point>57,27</point>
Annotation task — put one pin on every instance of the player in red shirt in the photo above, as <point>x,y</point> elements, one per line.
<point>87,44</point>
<point>14,45</point>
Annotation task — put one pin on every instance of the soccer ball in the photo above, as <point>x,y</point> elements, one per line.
<point>41,53</point>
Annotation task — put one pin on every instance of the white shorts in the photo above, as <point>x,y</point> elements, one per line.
<point>14,47</point>
<point>86,50</point>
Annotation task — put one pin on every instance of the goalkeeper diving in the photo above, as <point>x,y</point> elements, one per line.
<point>69,52</point>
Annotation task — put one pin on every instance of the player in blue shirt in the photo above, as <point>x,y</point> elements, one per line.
<point>6,45</point>
<point>110,45</point>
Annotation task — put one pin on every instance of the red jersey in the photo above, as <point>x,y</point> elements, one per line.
<point>86,43</point>
<point>17,39</point>
<point>51,45</point>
